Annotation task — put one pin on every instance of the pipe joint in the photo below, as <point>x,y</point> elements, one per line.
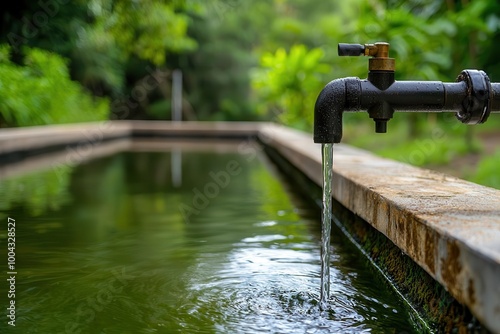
<point>476,105</point>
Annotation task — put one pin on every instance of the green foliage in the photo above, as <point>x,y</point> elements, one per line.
<point>122,32</point>
<point>216,74</point>
<point>97,61</point>
<point>437,144</point>
<point>424,151</point>
<point>100,38</point>
<point>145,29</point>
<point>41,92</point>
<point>161,109</point>
<point>290,82</point>
<point>421,45</point>
<point>487,172</point>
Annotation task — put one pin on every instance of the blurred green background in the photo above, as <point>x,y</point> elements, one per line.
<point>74,61</point>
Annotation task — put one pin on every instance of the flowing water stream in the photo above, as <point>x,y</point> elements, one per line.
<point>326,223</point>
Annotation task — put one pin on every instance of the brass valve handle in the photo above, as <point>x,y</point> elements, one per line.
<point>379,52</point>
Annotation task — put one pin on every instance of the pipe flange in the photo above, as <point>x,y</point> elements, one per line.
<point>476,105</point>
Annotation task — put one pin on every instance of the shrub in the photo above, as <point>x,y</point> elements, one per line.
<point>41,92</point>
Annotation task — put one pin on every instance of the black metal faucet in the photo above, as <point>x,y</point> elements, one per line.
<point>472,97</point>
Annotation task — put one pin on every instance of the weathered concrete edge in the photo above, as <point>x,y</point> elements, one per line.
<point>39,137</point>
<point>449,227</point>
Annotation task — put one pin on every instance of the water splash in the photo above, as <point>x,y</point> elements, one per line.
<point>326,224</point>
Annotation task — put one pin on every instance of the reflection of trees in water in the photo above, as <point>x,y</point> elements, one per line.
<point>36,192</point>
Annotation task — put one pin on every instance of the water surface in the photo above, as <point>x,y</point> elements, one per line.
<point>116,246</point>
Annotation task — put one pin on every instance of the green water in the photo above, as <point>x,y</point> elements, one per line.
<point>111,246</point>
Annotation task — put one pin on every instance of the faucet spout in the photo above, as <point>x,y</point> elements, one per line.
<point>338,96</point>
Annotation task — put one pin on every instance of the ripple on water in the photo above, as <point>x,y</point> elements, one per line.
<point>276,290</point>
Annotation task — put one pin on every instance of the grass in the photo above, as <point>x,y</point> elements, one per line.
<point>440,141</point>
<point>488,171</point>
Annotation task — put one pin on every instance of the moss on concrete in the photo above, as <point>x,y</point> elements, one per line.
<point>437,307</point>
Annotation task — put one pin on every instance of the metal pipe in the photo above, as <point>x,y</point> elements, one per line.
<point>405,95</point>
<point>472,99</point>
<point>495,99</point>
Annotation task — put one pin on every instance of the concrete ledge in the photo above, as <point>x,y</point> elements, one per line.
<point>195,130</point>
<point>449,227</point>
<point>39,137</point>
<point>18,143</point>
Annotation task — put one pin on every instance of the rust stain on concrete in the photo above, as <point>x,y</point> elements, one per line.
<point>471,293</point>
<point>430,251</point>
<point>451,268</point>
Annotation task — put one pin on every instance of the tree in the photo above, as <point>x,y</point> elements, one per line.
<point>289,83</point>
<point>40,91</point>
<point>100,38</point>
